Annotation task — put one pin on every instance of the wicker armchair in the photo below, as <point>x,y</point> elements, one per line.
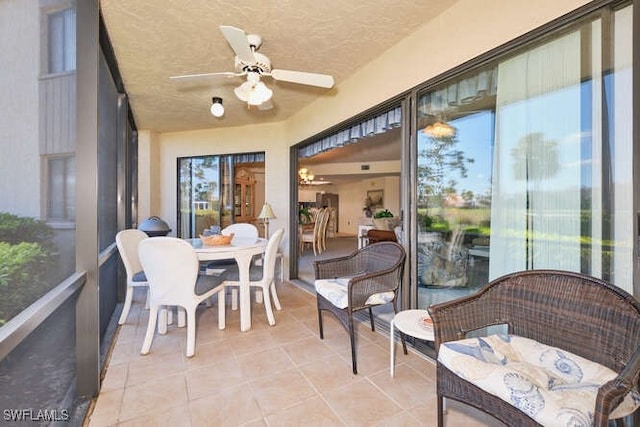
<point>577,313</point>
<point>368,277</point>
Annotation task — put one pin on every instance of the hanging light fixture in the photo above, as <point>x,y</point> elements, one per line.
<point>217,109</point>
<point>253,91</point>
<point>440,129</point>
<point>306,176</point>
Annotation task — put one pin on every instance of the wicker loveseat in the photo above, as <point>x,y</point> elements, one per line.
<point>577,316</point>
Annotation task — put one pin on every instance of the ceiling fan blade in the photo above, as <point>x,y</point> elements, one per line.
<point>205,77</point>
<point>311,79</point>
<point>237,39</point>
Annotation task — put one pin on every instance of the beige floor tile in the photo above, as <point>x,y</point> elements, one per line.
<point>115,377</point>
<point>176,416</point>
<point>371,359</point>
<point>107,408</point>
<point>264,363</point>
<point>146,398</point>
<point>328,373</point>
<point>403,419</point>
<point>361,403</point>
<point>406,388</point>
<point>307,350</point>
<point>154,365</point>
<point>212,379</point>
<point>290,331</point>
<point>208,354</point>
<point>252,342</point>
<point>273,397</point>
<point>232,406</point>
<point>310,413</point>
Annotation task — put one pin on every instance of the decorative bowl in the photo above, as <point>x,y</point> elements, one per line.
<point>216,239</point>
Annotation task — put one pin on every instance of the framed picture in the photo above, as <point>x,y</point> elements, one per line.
<point>376,199</point>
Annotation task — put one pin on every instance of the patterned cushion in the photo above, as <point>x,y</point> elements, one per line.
<point>335,290</point>
<point>552,386</point>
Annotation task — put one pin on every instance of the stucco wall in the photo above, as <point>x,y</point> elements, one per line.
<point>19,144</point>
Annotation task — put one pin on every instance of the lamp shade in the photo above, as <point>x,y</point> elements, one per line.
<point>266,212</point>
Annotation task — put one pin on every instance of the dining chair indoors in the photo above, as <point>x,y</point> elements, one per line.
<point>263,277</point>
<point>368,277</point>
<point>127,242</point>
<point>314,236</point>
<point>172,267</point>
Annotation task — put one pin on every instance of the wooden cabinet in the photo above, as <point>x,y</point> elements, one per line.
<point>244,197</point>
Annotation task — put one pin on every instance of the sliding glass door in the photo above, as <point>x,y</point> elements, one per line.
<point>218,190</point>
<point>525,163</point>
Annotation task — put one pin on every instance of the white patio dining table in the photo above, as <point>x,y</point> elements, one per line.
<point>242,250</point>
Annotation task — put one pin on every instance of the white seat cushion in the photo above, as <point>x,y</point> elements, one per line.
<point>335,290</point>
<point>552,386</point>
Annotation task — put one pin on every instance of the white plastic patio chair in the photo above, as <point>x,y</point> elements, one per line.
<point>172,267</point>
<point>263,277</point>
<point>127,242</point>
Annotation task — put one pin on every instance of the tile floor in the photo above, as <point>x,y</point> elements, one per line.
<point>282,375</point>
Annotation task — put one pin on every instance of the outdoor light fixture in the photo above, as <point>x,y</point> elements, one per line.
<point>216,107</point>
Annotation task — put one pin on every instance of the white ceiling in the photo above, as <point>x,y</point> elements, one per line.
<point>156,39</point>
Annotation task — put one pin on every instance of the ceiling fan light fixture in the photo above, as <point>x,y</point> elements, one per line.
<point>217,109</point>
<point>259,94</point>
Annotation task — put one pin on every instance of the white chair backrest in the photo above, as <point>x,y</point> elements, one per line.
<point>270,255</point>
<point>128,242</point>
<point>242,229</point>
<point>322,214</point>
<point>171,266</point>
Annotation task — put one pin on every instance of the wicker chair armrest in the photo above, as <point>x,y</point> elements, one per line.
<point>612,393</point>
<point>452,320</point>
<point>360,288</point>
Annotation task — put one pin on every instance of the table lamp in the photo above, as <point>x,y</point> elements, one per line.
<point>265,215</point>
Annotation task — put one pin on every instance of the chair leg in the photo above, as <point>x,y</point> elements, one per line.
<point>191,331</point>
<point>274,296</point>
<point>373,328</point>
<point>222,320</point>
<point>151,327</point>
<point>352,337</point>
<point>234,298</point>
<point>166,318</point>
<point>127,305</point>
<point>181,317</point>
<point>440,412</point>
<point>404,343</point>
<point>320,324</point>
<point>267,307</point>
<point>147,298</point>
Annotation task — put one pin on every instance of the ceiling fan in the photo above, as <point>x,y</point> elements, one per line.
<point>253,65</point>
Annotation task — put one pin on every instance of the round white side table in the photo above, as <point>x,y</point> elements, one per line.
<point>410,322</point>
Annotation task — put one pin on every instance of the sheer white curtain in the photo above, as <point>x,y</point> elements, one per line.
<point>623,259</point>
<point>535,217</point>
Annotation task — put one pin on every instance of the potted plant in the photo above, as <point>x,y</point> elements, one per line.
<point>383,220</point>
<point>305,215</point>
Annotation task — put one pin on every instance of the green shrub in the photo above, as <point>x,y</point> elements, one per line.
<point>16,229</point>
<point>28,256</point>
<point>24,270</point>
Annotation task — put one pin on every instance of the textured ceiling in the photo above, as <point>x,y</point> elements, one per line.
<point>156,39</point>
